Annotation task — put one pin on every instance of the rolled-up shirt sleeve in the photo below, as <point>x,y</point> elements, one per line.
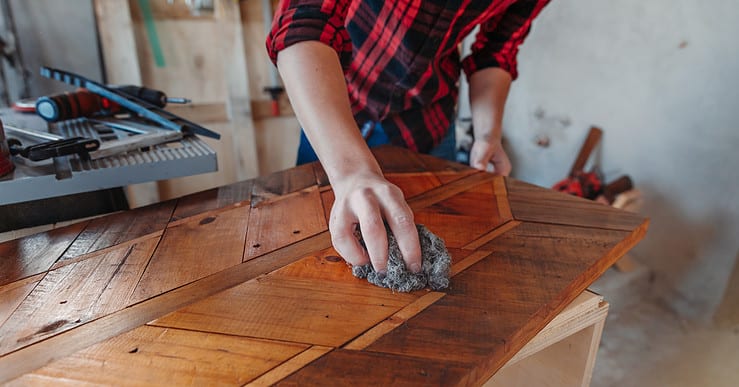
<point>497,42</point>
<point>303,20</point>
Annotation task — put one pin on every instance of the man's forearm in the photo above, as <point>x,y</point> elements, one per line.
<point>315,84</point>
<point>363,197</point>
<point>488,93</point>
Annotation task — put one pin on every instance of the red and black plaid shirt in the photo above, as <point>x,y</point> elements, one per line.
<point>401,58</point>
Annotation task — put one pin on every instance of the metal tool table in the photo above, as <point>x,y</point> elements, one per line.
<point>35,184</point>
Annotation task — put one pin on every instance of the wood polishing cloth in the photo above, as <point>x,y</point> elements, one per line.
<point>435,267</point>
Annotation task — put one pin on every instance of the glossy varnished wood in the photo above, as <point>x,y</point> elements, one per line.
<point>239,284</point>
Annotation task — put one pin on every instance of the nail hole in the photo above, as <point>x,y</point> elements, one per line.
<point>256,245</point>
<point>296,231</point>
<point>333,258</point>
<point>134,350</point>
<point>63,302</point>
<point>207,220</point>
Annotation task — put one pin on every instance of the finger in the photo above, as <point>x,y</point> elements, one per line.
<point>374,234</point>
<point>480,155</point>
<point>346,244</point>
<point>400,220</point>
<point>501,163</point>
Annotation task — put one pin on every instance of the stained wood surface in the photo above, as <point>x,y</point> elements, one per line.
<point>239,284</point>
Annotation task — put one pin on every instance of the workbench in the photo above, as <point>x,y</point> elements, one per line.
<point>240,285</point>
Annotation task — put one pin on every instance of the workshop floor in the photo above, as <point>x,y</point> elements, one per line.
<point>645,343</point>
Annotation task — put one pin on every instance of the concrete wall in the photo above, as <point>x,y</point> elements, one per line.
<point>661,78</point>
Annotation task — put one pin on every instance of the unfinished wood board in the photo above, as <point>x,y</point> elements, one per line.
<point>36,253</point>
<point>160,356</point>
<point>511,277</point>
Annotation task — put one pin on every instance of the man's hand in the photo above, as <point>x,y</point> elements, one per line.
<point>485,152</point>
<point>364,200</point>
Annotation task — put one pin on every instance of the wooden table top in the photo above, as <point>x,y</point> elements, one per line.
<point>240,284</point>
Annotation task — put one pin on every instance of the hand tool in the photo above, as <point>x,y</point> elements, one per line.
<point>152,96</point>
<point>83,103</point>
<point>80,103</point>
<point>135,105</point>
<point>57,148</point>
<point>33,133</point>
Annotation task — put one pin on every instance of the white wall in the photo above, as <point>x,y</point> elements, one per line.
<point>661,78</point>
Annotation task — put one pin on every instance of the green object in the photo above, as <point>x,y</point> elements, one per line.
<point>151,32</point>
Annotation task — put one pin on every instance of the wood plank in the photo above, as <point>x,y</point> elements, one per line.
<point>321,176</point>
<point>290,366</point>
<point>121,227</point>
<point>312,311</point>
<point>12,294</point>
<point>276,223</point>
<point>566,363</point>
<point>282,183</point>
<point>197,249</point>
<point>36,253</point>
<point>202,113</point>
<point>32,357</point>
<point>159,356</point>
<point>510,295</point>
<point>212,199</point>
<point>394,159</point>
<point>346,367</point>
<point>75,294</point>
<point>413,184</point>
<point>485,242</point>
<point>464,217</point>
<point>326,265</point>
<point>448,190</point>
<point>532,203</point>
<point>394,321</point>
<point>586,310</point>
<point>436,164</point>
<point>447,177</point>
<point>327,199</point>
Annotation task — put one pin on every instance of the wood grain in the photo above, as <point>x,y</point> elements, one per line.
<point>12,294</point>
<point>36,253</point>
<point>213,199</point>
<point>311,311</point>
<point>121,227</point>
<point>159,356</point>
<point>32,357</point>
<point>197,248</point>
<point>532,203</point>
<point>240,284</point>
<point>413,184</point>
<point>345,367</point>
<point>76,294</point>
<point>290,366</point>
<point>276,223</point>
<point>282,183</point>
<point>506,295</point>
<point>464,217</point>
<point>394,321</point>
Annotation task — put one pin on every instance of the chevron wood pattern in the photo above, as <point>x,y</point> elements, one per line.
<point>240,285</point>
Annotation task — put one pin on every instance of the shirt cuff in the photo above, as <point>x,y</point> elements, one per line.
<point>309,24</point>
<point>477,62</point>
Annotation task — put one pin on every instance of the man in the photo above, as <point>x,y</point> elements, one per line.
<point>393,66</point>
